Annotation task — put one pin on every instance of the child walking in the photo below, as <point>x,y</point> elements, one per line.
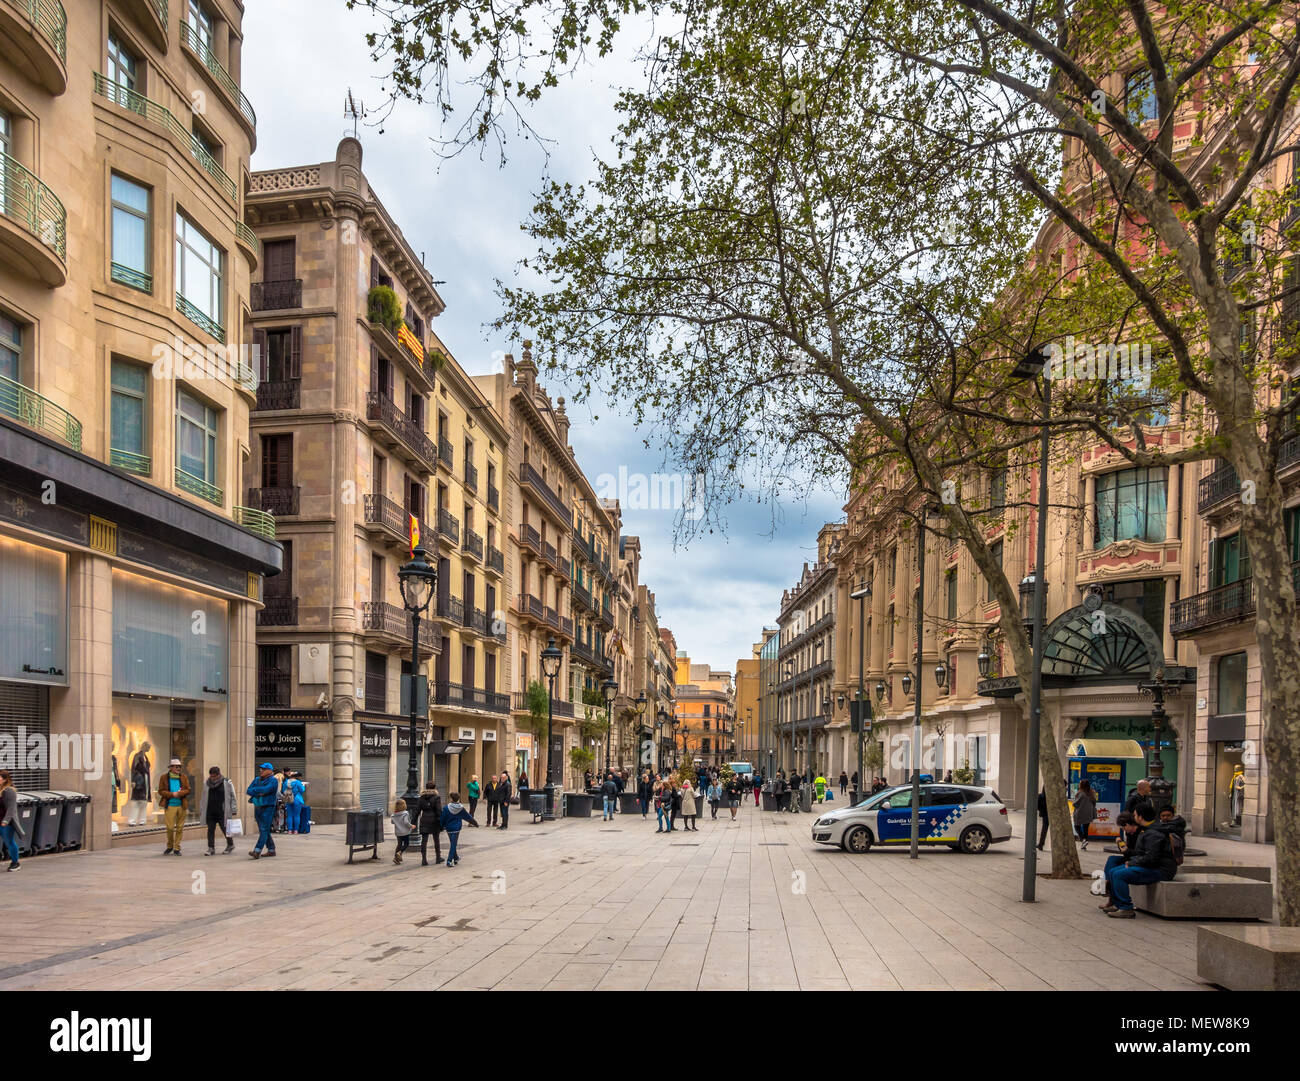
<point>401,829</point>
<point>453,814</point>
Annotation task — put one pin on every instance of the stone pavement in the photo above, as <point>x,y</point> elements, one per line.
<point>579,904</point>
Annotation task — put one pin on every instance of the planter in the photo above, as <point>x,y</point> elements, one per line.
<point>578,805</point>
<point>628,804</point>
<point>769,801</point>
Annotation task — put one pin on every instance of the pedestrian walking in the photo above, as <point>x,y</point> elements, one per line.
<point>732,791</point>
<point>609,795</point>
<point>796,783</point>
<point>1042,814</point>
<point>758,787</point>
<point>644,793</point>
<point>217,807</point>
<point>472,790</point>
<point>453,814</point>
<point>295,802</point>
<point>173,790</point>
<point>688,807</point>
<point>713,796</point>
<point>503,797</point>
<point>428,819</point>
<point>844,783</point>
<point>401,829</point>
<point>1085,810</point>
<point>262,793</point>
<point>819,787</point>
<point>675,805</point>
<point>663,807</point>
<point>490,797</point>
<point>11,829</point>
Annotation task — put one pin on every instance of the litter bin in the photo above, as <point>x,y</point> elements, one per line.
<point>769,800</point>
<point>26,812</point>
<point>72,830</point>
<point>628,803</point>
<point>576,805</point>
<point>365,830</point>
<point>49,816</point>
<point>536,804</point>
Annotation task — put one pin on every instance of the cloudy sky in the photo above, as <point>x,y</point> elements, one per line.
<point>300,58</point>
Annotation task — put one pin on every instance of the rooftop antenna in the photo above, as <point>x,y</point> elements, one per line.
<point>355,110</point>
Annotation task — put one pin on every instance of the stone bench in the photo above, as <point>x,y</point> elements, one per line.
<point>1226,867</point>
<point>1207,897</point>
<point>1249,958</point>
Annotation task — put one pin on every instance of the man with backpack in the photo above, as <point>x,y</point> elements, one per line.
<point>1156,851</point>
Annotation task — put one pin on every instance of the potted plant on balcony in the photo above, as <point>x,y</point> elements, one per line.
<point>382,306</point>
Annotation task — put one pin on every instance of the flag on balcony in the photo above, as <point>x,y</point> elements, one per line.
<point>414,530</point>
<point>616,642</point>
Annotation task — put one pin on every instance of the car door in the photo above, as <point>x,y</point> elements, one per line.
<point>942,808</point>
<point>894,818</point>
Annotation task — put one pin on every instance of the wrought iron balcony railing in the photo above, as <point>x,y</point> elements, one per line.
<point>27,201</point>
<point>277,501</point>
<point>281,394</point>
<point>36,411</point>
<point>279,612</point>
<point>276,295</point>
<point>208,58</point>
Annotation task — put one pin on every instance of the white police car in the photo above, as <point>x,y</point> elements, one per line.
<point>964,817</point>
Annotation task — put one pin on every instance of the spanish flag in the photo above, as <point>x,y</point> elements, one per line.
<point>414,530</point>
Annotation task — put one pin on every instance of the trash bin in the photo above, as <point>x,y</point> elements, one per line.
<point>628,803</point>
<point>769,800</point>
<point>536,804</point>
<point>576,805</point>
<point>72,830</point>
<point>49,816</point>
<point>26,812</point>
<point>365,830</point>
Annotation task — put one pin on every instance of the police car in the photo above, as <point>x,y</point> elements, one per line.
<point>964,817</point>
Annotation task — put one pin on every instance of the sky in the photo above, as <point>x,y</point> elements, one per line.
<point>300,57</point>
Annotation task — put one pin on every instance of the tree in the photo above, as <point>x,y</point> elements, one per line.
<point>538,703</point>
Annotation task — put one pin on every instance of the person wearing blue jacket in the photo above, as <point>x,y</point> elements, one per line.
<point>453,814</point>
<point>262,795</point>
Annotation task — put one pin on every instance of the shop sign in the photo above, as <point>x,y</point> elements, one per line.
<point>376,742</point>
<point>288,739</point>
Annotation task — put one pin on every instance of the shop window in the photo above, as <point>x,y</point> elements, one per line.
<point>1231,679</point>
<point>1131,506</point>
<point>34,631</point>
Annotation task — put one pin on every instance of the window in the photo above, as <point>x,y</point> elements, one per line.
<point>950,586</point>
<point>196,438</point>
<point>207,144</point>
<point>278,260</point>
<point>1291,523</point>
<point>995,550</point>
<point>277,461</point>
<point>998,489</point>
<point>128,426</point>
<point>123,66</point>
<point>11,349</point>
<point>706,709</point>
<point>1231,672</point>
<point>1131,506</point>
<point>893,566</point>
<point>279,362</point>
<point>1229,560</point>
<point>1144,597</point>
<point>199,272</point>
<point>200,24</point>
<point>130,240</point>
<point>281,585</point>
<point>273,674</point>
<point>376,682</point>
<point>377,576</point>
<point>1140,97</point>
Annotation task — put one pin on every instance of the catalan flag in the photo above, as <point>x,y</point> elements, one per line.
<point>414,530</point>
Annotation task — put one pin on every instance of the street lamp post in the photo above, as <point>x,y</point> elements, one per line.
<point>641,703</point>
<point>551,658</point>
<point>1030,368</point>
<point>908,682</point>
<point>417,580</point>
<point>864,706</point>
<point>609,691</point>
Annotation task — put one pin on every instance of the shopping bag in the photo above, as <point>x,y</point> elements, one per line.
<point>304,822</point>
<point>830,796</point>
<point>234,827</point>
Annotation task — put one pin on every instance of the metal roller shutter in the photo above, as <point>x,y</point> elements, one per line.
<point>375,789</point>
<point>27,707</point>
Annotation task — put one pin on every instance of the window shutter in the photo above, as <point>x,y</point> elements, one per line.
<point>295,353</point>
<point>259,344</point>
<point>374,272</point>
<point>374,369</point>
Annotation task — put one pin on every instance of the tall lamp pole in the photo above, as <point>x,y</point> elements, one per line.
<point>551,658</point>
<point>609,690</point>
<point>916,681</point>
<point>864,706</point>
<point>641,703</point>
<point>417,580</point>
<point>1030,368</point>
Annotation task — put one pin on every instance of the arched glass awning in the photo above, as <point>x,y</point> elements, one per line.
<point>1101,642</point>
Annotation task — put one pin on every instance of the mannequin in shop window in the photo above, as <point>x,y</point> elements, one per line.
<point>1237,795</point>
<point>141,771</point>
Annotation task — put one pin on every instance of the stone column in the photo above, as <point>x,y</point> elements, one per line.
<point>1089,513</point>
<point>1174,503</point>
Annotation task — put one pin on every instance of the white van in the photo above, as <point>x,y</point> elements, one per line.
<point>740,768</point>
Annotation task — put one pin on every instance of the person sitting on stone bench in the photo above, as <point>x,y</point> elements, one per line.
<point>1151,857</point>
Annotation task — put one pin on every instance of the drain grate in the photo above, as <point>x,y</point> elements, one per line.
<point>609,831</point>
<point>686,844</point>
<point>773,844</point>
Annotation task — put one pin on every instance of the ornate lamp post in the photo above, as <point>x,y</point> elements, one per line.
<point>641,704</point>
<point>863,703</point>
<point>552,655</point>
<point>1162,791</point>
<point>417,580</point>
<point>609,691</point>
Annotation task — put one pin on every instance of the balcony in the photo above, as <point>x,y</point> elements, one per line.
<point>493,499</point>
<point>552,617</point>
<point>33,224</point>
<point>275,296</point>
<point>566,626</point>
<point>531,607</point>
<point>476,622</point>
<point>247,239</point>
<point>559,707</point>
<point>200,318</point>
<point>254,520</point>
<point>390,625</point>
<point>273,686</point>
<point>582,652</point>
<point>1232,603</point>
<point>37,412</point>
<point>607,615</point>
<point>388,520</point>
<point>496,561</point>
<point>450,608</point>
<point>397,431</point>
<point>448,525</point>
<point>279,612</point>
<point>1288,453</point>
<point>412,345</point>
<point>281,394</point>
<point>34,38</point>
<point>552,502</point>
<point>1217,488</point>
<point>458,695</point>
<point>157,114</point>
<point>446,456</point>
<point>280,502</point>
<point>582,595</point>
<point>188,482</point>
<point>130,462</point>
<point>530,539</point>
<point>473,544</point>
<point>219,75</point>
<point>471,478</point>
<point>130,277</point>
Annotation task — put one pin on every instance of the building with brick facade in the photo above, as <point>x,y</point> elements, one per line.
<point>130,570</point>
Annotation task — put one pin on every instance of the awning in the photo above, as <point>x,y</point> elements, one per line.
<point>1105,748</point>
<point>450,746</point>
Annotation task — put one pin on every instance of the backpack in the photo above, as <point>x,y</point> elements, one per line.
<point>1178,845</point>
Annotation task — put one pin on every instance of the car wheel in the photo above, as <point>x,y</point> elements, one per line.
<point>975,839</point>
<point>858,840</point>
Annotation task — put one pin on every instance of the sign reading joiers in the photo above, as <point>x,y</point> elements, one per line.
<point>287,739</point>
